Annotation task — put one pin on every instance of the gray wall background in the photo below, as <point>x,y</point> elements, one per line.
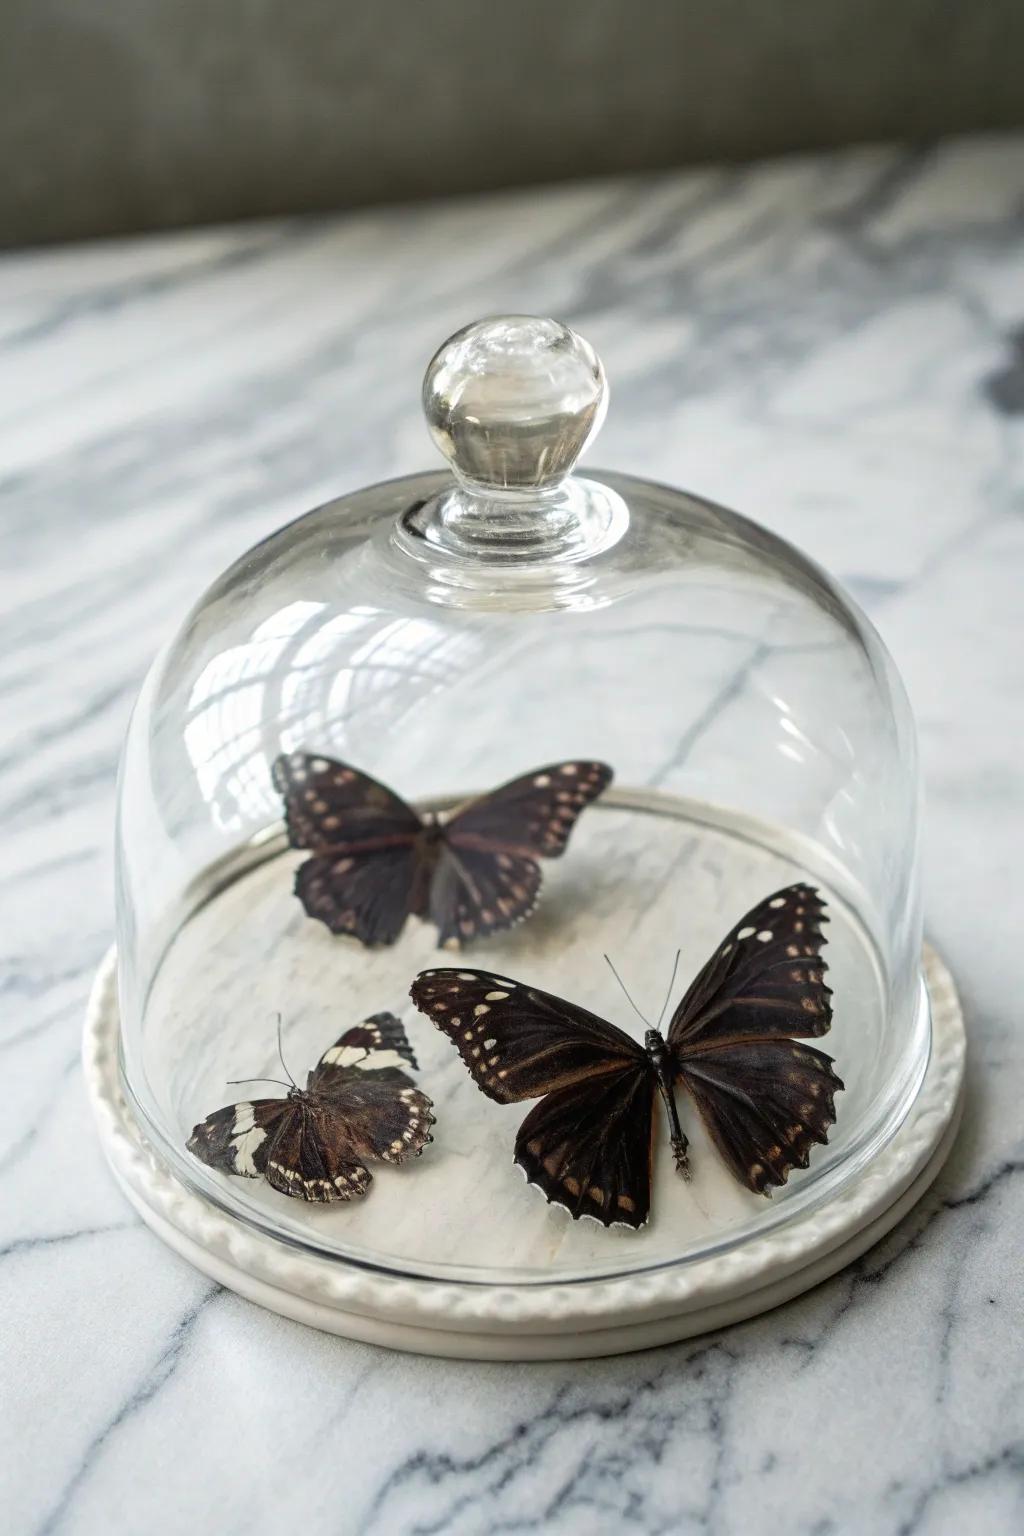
<point>120,115</point>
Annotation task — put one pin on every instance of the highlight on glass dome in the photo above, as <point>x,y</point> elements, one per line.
<point>353,714</point>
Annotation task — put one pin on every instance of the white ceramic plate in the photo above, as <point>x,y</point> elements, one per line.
<point>536,1319</point>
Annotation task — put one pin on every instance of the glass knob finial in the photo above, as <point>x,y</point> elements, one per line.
<point>513,401</point>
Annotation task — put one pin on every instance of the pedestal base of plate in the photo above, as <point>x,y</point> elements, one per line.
<point>536,1321</point>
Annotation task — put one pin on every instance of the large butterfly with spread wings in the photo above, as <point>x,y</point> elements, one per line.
<point>376,861</point>
<point>359,1105</point>
<point>734,1042</point>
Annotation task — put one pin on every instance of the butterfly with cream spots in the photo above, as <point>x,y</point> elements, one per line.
<point>375,861</point>
<point>733,1043</point>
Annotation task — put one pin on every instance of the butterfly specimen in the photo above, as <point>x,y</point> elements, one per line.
<point>733,1042</point>
<point>376,861</point>
<point>359,1105</point>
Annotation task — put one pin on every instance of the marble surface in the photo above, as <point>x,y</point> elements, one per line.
<point>833,345</point>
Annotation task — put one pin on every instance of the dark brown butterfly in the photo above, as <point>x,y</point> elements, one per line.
<point>359,1105</point>
<point>376,861</point>
<point>764,1096</point>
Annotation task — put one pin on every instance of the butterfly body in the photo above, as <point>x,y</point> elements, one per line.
<point>376,861</point>
<point>660,1056</point>
<point>733,1044</point>
<point>428,850</point>
<point>359,1105</point>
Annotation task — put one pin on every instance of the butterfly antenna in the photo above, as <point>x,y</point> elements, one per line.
<point>280,1057</point>
<point>236,1082</point>
<point>668,994</point>
<point>629,1000</point>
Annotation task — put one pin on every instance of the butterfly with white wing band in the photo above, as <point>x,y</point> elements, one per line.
<point>375,861</point>
<point>359,1105</point>
<point>734,1042</point>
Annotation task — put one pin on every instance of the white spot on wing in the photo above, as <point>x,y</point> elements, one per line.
<point>246,1138</point>
<point>366,1060</point>
<point>378,1060</point>
<point>344,1055</point>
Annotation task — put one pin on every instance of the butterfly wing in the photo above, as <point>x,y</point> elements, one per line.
<point>474,894</point>
<point>735,1040</point>
<point>533,815</point>
<point>766,979</point>
<point>378,1044</point>
<point>311,1157</point>
<point>587,1144</point>
<point>376,1116</point>
<point>236,1139</point>
<point>364,896</point>
<point>517,1041</point>
<point>331,805</point>
<point>588,1147</point>
<point>286,1142</point>
<point>488,877</point>
<point>363,837</point>
<point>365,1094</point>
<point>765,1103</point>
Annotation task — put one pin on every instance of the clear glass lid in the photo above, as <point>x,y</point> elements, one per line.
<point>443,634</point>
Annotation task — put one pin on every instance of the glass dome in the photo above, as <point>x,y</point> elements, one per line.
<point>448,631</point>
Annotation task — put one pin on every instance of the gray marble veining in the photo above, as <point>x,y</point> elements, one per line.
<point>831,344</point>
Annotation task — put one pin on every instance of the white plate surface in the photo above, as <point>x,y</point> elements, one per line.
<point>588,1316</point>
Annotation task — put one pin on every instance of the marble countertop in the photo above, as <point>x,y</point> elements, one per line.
<point>834,345</point>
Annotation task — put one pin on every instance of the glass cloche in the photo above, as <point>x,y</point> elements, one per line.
<point>443,634</point>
